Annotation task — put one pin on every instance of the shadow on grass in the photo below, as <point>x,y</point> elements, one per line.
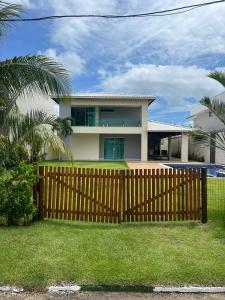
<point>82,225</point>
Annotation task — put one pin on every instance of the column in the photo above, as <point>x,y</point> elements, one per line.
<point>184,147</point>
<point>144,146</point>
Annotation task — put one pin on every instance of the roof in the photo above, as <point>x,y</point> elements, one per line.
<point>101,96</point>
<point>163,127</point>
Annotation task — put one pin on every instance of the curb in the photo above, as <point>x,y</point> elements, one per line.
<point>72,289</point>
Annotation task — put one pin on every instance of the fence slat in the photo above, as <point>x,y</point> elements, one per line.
<point>126,195</point>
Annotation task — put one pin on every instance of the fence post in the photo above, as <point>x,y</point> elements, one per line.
<point>35,190</point>
<point>41,193</point>
<point>204,196</point>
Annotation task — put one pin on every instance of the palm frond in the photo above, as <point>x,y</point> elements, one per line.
<point>8,11</point>
<point>218,76</point>
<point>217,107</point>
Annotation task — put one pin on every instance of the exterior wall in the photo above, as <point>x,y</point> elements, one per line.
<point>132,146</point>
<point>84,146</point>
<point>209,123</point>
<point>127,113</point>
<point>141,108</point>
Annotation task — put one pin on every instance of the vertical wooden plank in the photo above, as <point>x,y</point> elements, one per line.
<point>145,196</point>
<point>174,194</point>
<point>162,194</point>
<point>121,194</point>
<point>187,194</point>
<point>198,193</point>
<point>99,194</point>
<point>130,173</point>
<point>153,197</point>
<point>204,195</point>
<point>111,195</point>
<point>182,193</point>
<point>179,194</point>
<point>66,188</point>
<point>62,185</point>
<point>191,193</point>
<point>127,203</point>
<point>116,196</point>
<point>170,194</point>
<point>103,195</point>
<point>149,195</point>
<point>75,212</point>
<point>86,210</point>
<point>50,208</point>
<point>82,197</point>
<point>41,193</point>
<point>54,192</point>
<point>166,194</point>
<point>91,196</point>
<point>107,196</point>
<point>194,194</point>
<point>157,194</point>
<point>78,193</point>
<point>70,183</point>
<point>95,197</point>
<point>140,188</point>
<point>57,193</point>
<point>46,200</point>
<point>136,196</point>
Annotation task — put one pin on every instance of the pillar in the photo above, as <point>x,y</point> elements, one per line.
<point>170,147</point>
<point>144,146</point>
<point>184,147</point>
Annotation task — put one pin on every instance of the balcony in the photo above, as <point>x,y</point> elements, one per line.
<point>110,123</point>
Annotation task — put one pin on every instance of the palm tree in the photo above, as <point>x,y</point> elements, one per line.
<point>23,76</point>
<point>217,107</point>
<point>37,130</point>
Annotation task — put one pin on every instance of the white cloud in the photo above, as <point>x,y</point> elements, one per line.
<point>175,84</point>
<point>73,62</point>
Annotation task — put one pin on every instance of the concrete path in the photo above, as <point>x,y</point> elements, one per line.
<point>113,296</point>
<point>145,165</point>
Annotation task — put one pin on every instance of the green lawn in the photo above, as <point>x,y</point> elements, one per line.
<point>54,251</point>
<point>86,164</point>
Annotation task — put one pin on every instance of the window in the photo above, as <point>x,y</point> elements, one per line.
<point>83,116</point>
<point>107,109</point>
<point>210,114</point>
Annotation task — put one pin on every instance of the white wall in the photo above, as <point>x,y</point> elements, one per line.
<point>85,146</point>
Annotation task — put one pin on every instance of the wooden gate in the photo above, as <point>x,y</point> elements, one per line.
<point>116,196</point>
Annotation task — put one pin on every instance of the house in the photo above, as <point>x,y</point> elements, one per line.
<point>116,127</point>
<point>203,119</point>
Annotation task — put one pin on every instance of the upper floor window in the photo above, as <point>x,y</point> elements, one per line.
<point>83,116</point>
<point>210,114</point>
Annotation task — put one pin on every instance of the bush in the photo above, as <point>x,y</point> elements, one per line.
<point>16,200</point>
<point>11,154</point>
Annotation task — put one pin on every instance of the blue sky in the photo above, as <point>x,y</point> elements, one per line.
<point>169,57</point>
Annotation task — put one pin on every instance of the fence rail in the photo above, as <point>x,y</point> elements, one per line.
<point>115,196</point>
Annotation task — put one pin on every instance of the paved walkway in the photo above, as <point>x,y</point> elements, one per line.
<point>146,165</point>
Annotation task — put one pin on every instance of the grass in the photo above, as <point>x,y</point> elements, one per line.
<point>55,251</point>
<point>87,164</point>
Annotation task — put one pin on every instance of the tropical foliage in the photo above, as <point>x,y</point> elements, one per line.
<point>24,76</point>
<point>216,107</point>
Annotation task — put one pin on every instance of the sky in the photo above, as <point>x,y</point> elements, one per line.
<point>168,57</point>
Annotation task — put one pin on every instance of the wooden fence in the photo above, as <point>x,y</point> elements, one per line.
<point>116,196</point>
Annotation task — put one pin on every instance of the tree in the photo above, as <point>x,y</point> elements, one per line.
<point>22,76</point>
<point>217,107</point>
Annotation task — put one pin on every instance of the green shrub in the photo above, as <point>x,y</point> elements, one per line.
<point>11,154</point>
<point>16,200</point>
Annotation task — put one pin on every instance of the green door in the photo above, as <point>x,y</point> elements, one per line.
<point>114,148</point>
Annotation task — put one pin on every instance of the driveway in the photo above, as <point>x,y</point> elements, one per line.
<point>145,165</point>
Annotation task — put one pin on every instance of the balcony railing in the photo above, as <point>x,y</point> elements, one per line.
<point>111,123</point>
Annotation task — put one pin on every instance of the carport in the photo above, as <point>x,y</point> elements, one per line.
<point>158,132</point>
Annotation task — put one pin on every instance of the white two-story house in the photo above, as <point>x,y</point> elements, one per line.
<point>115,127</point>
